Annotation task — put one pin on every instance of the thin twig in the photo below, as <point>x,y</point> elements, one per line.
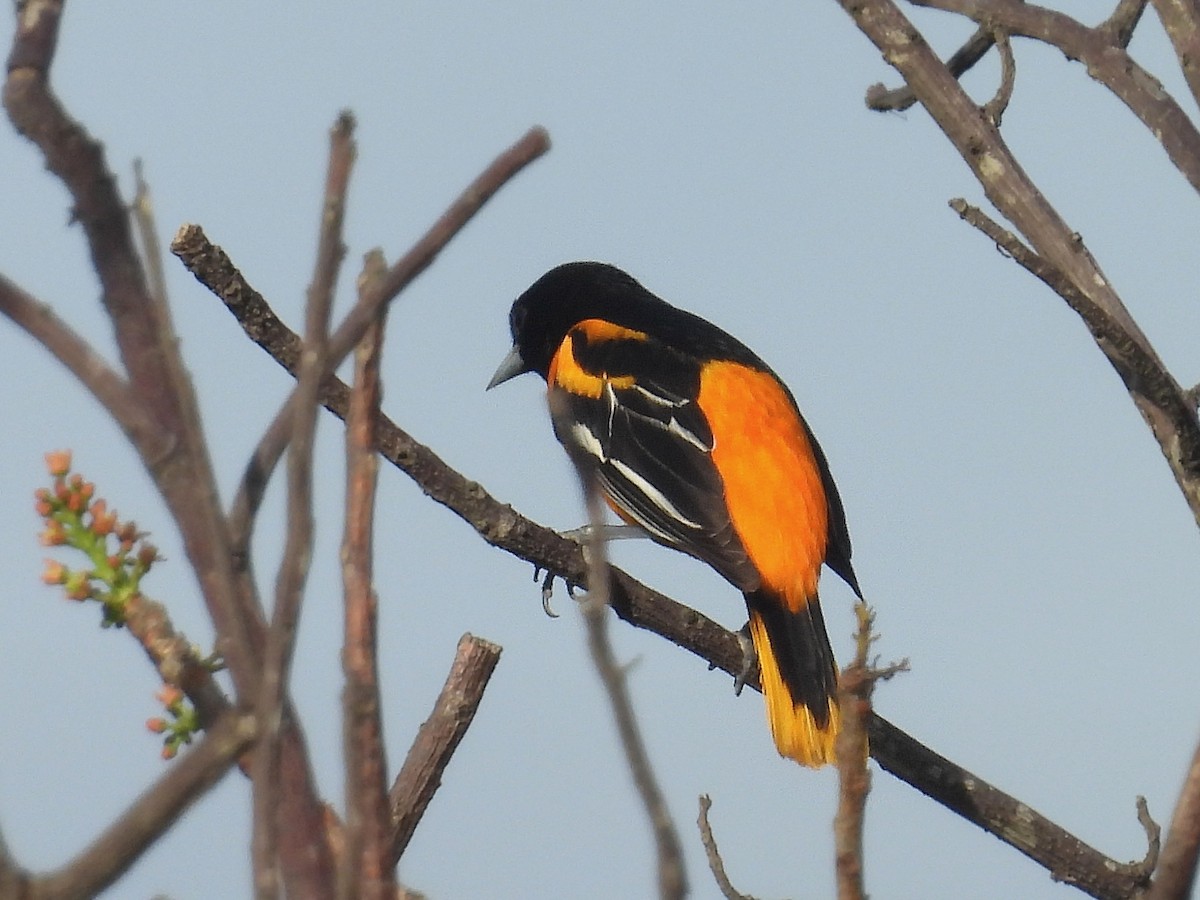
<point>209,264</point>
<point>1139,368</point>
<point>716,865</point>
<point>956,788</point>
<point>854,779</point>
<point>994,108</point>
<point>1010,189</point>
<point>881,99</point>
<point>531,146</point>
<point>88,366</point>
<point>855,689</point>
<point>143,216</point>
<point>364,871</point>
<point>438,738</point>
<point>1153,838</point>
<point>1106,62</point>
<point>1117,30</point>
<point>672,878</point>
<point>159,806</point>
<point>78,160</point>
<point>297,553</point>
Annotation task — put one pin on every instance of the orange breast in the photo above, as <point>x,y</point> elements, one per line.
<point>772,483</point>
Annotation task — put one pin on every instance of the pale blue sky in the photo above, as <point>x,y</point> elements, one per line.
<point>1013,522</point>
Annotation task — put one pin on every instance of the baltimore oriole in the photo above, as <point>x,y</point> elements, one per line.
<point>697,441</point>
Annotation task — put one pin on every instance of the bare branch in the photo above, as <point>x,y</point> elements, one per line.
<point>1117,31</point>
<point>157,408</point>
<point>212,268</point>
<point>854,700</point>
<point>1014,194</point>
<point>1066,857</point>
<point>994,108</point>
<point>364,871</point>
<point>1106,62</point>
<point>438,738</point>
<point>143,216</point>
<point>532,145</point>
<point>297,554</point>
<point>1181,20</point>
<point>715,864</point>
<point>500,525</point>
<point>880,99</point>
<point>855,689</point>
<point>145,338</point>
<point>672,879</point>
<point>1138,366</point>
<point>153,813</point>
<point>78,357</point>
<point>1176,871</point>
<point>78,160</point>
<point>1119,27</point>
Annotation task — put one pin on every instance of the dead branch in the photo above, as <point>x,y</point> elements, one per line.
<point>500,525</point>
<point>1176,870</point>
<point>78,357</point>
<point>854,779</point>
<point>1181,20</point>
<point>438,738</point>
<point>1010,189</point>
<point>715,864</point>
<point>1106,62</point>
<point>994,108</point>
<point>364,871</point>
<point>176,455</point>
<point>880,99</point>
<point>214,268</point>
<point>1117,30</point>
<point>1119,27</point>
<point>297,553</point>
<point>178,460</point>
<point>142,210</point>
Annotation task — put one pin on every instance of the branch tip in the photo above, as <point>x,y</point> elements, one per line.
<point>716,865</point>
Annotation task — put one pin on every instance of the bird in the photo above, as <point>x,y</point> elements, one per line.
<point>693,438</point>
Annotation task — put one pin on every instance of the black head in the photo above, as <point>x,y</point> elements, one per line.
<point>566,295</point>
<point>572,292</point>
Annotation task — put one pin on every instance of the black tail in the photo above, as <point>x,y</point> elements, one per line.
<point>799,676</point>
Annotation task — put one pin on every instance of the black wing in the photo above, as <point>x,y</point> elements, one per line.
<point>651,447</point>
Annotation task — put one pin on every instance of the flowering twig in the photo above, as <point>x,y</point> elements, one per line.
<point>74,517</point>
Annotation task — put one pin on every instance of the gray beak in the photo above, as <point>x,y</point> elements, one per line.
<point>512,366</point>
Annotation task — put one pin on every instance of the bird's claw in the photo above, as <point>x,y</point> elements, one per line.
<point>749,661</point>
<point>548,590</point>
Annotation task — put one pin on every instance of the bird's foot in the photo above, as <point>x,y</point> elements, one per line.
<point>749,660</point>
<point>548,590</point>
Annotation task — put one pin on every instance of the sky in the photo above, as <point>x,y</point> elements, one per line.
<point>1014,524</point>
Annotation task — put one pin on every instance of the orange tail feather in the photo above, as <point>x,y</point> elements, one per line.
<point>799,678</point>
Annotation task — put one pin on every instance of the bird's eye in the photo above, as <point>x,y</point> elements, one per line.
<point>516,321</point>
